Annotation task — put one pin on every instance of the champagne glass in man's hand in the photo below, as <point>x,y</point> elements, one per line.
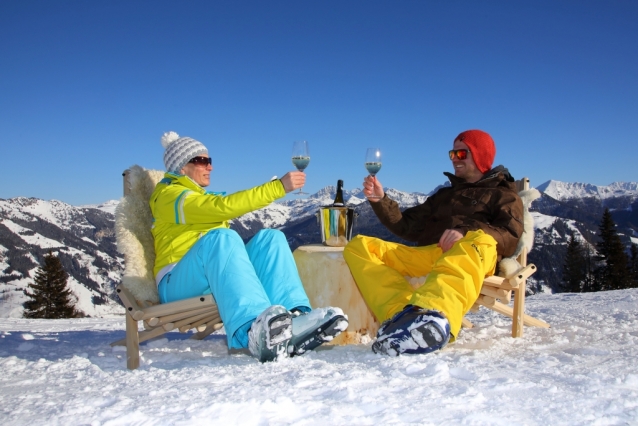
<point>373,164</point>
<point>300,158</point>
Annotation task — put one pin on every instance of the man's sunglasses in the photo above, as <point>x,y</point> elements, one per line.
<point>201,161</point>
<point>461,154</point>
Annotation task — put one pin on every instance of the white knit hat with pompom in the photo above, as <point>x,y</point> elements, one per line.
<point>179,151</point>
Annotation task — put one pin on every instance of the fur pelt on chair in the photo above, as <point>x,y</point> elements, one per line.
<point>509,265</point>
<point>133,220</point>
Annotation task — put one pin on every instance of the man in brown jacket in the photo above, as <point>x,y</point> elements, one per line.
<point>461,232</point>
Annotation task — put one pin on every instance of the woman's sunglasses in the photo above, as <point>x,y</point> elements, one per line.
<point>201,161</point>
<point>461,154</point>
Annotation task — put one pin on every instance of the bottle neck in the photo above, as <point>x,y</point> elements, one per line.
<point>339,195</point>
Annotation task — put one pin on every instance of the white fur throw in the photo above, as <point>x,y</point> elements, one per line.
<point>133,220</point>
<point>509,265</point>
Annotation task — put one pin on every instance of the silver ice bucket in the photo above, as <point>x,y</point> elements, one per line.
<point>336,225</point>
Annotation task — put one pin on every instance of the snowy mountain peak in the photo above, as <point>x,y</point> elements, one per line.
<point>405,199</point>
<point>54,212</point>
<point>565,190</point>
<point>108,206</point>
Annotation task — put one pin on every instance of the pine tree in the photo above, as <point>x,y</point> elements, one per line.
<point>50,297</point>
<point>590,284</point>
<point>633,265</point>
<point>614,273</point>
<point>574,267</point>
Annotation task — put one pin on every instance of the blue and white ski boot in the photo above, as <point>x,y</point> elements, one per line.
<point>414,330</point>
<point>270,333</point>
<point>312,329</point>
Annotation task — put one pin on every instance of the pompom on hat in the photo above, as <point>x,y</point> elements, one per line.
<point>481,146</point>
<point>179,151</point>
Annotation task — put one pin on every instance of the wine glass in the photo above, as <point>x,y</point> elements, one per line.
<point>300,158</point>
<point>373,163</point>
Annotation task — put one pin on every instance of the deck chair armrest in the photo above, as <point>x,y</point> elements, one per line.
<point>132,308</point>
<point>511,283</point>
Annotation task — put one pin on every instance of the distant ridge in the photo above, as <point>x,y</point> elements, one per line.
<point>565,191</point>
<point>84,238</point>
<point>108,206</point>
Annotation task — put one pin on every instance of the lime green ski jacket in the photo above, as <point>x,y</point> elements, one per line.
<point>183,211</point>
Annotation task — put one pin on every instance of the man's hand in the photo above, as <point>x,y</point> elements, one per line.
<point>449,237</point>
<point>373,189</point>
<point>293,180</point>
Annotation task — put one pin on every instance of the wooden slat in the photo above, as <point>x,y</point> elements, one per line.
<point>522,258</point>
<point>157,321</point>
<point>195,323</point>
<point>507,298</point>
<point>497,293</point>
<point>142,337</point>
<point>513,282</point>
<point>499,282</point>
<point>518,312</point>
<point>132,344</point>
<point>522,275</point>
<point>125,181</point>
<point>508,311</point>
<point>150,334</point>
<point>522,184</point>
<point>485,300</point>
<point>186,322</point>
<point>466,323</point>
<point>180,306</point>
<point>210,328</point>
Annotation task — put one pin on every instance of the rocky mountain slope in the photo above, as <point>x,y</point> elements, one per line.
<point>83,237</point>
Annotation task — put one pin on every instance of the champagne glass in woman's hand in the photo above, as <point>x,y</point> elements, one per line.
<point>300,158</point>
<point>373,163</point>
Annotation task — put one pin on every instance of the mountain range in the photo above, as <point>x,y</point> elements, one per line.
<point>83,237</point>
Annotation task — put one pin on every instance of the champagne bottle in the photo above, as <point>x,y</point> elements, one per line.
<point>339,196</point>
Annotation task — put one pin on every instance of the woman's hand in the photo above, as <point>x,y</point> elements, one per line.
<point>293,180</point>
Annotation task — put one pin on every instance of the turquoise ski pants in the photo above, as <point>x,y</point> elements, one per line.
<point>243,279</point>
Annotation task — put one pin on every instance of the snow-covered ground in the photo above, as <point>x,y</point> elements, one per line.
<point>582,371</point>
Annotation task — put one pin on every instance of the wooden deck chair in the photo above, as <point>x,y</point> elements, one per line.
<point>496,293</point>
<point>138,291</point>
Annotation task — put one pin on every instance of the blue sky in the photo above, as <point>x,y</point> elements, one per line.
<point>88,87</point>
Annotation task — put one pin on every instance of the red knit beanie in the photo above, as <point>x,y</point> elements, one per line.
<point>481,146</point>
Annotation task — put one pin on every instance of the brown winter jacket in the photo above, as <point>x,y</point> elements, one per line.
<point>490,204</point>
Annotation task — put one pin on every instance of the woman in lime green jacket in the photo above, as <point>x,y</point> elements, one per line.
<point>261,300</point>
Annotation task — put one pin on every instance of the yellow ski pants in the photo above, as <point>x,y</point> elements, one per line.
<point>453,282</point>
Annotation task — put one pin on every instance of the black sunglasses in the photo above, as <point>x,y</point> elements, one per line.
<point>201,161</point>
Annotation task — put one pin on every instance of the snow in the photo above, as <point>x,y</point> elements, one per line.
<point>583,370</point>
<point>88,240</point>
<point>542,221</point>
<point>564,190</point>
<point>107,206</point>
<point>11,292</point>
<point>55,212</point>
<point>280,213</point>
<point>31,237</point>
